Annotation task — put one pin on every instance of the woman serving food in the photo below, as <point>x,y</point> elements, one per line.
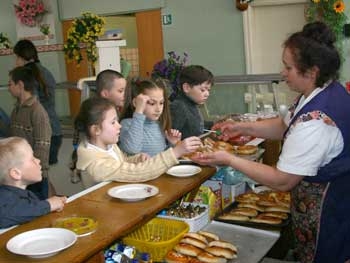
<point>315,159</point>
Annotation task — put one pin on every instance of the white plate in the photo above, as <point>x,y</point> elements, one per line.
<point>133,192</point>
<point>41,243</point>
<point>184,170</point>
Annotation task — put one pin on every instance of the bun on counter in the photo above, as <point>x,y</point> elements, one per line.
<point>234,217</point>
<point>208,235</point>
<point>209,258</point>
<point>187,249</point>
<point>244,211</point>
<point>266,219</point>
<point>174,257</point>
<point>196,236</point>
<point>194,242</point>
<point>223,244</point>
<point>221,252</point>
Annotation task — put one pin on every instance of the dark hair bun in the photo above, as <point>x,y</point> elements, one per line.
<point>319,32</point>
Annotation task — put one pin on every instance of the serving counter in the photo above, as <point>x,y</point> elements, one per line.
<point>115,218</point>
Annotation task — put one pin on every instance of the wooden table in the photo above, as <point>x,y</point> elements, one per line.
<point>115,218</point>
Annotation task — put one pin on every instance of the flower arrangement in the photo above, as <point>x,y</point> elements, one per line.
<point>330,12</point>
<point>30,12</point>
<point>170,68</point>
<point>4,41</point>
<point>45,29</point>
<point>85,29</point>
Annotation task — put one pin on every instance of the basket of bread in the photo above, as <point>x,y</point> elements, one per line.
<point>201,246</point>
<point>264,209</point>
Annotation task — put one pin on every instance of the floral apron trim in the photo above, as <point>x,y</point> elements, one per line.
<point>306,207</point>
<point>313,115</point>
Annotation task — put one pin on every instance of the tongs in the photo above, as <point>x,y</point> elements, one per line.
<point>208,132</point>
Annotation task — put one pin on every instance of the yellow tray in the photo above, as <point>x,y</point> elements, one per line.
<point>81,226</point>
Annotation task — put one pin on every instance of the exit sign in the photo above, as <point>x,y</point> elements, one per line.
<point>167,19</point>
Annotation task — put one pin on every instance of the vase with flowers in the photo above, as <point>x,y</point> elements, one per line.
<point>45,29</point>
<point>170,68</point>
<point>84,31</point>
<point>331,12</point>
<point>30,12</point>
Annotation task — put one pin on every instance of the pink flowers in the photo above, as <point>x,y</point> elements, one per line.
<point>30,12</point>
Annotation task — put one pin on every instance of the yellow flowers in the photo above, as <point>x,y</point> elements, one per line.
<point>339,6</point>
<point>330,12</point>
<point>84,30</point>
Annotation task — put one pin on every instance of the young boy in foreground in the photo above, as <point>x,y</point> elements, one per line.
<point>18,169</point>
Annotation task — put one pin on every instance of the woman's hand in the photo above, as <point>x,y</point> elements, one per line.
<point>228,129</point>
<point>187,145</point>
<point>140,103</point>
<point>173,136</point>
<point>213,158</point>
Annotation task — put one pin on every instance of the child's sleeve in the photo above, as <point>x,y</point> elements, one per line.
<point>42,137</point>
<point>131,134</point>
<point>23,210</point>
<point>110,169</point>
<point>178,116</point>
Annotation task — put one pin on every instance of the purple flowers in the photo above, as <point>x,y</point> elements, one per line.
<point>170,69</point>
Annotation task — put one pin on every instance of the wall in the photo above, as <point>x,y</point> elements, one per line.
<point>69,9</point>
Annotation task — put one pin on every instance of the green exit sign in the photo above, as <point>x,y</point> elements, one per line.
<point>167,19</point>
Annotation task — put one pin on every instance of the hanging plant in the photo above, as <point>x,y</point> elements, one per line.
<point>331,12</point>
<point>30,12</point>
<point>242,5</point>
<point>84,30</point>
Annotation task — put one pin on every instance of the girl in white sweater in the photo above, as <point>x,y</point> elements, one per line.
<point>100,159</point>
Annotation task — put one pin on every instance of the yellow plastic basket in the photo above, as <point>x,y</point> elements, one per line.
<point>157,237</point>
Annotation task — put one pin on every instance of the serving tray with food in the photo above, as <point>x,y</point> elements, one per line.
<point>267,209</point>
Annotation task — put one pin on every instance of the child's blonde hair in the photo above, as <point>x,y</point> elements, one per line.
<point>11,155</point>
<point>139,86</point>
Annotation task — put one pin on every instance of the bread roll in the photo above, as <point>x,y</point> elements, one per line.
<point>223,146</point>
<point>223,244</point>
<point>266,220</point>
<point>194,242</point>
<point>244,211</point>
<point>248,197</point>
<point>277,209</point>
<point>276,214</point>
<point>221,252</point>
<point>196,236</point>
<point>187,249</point>
<point>246,149</point>
<point>251,205</point>
<point>209,258</point>
<point>234,217</point>
<point>174,257</point>
<point>208,235</point>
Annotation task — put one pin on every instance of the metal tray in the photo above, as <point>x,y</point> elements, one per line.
<point>266,226</point>
<point>252,244</point>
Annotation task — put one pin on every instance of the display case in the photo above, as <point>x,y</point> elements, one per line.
<point>266,93</point>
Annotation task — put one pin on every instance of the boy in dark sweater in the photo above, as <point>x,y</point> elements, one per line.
<point>195,84</point>
<point>18,169</point>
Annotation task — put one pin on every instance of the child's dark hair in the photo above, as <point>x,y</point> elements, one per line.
<point>138,86</point>
<point>195,75</point>
<point>25,49</point>
<point>92,112</point>
<point>105,79</point>
<point>25,75</point>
